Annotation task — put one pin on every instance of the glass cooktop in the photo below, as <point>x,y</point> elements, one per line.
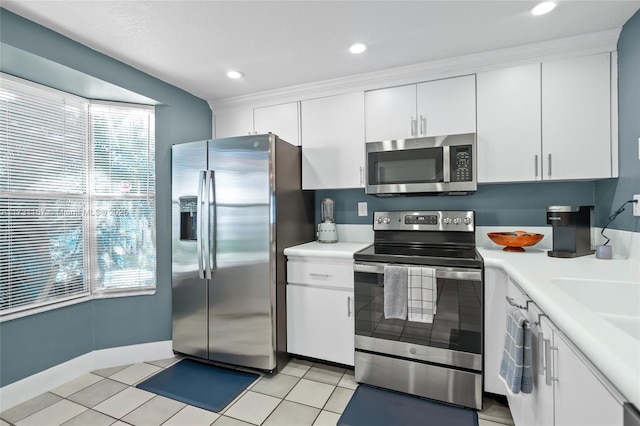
<point>436,255</point>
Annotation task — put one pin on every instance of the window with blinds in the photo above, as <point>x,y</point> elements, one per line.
<point>77,197</point>
<point>123,189</point>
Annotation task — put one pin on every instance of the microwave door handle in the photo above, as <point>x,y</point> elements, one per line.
<point>446,164</point>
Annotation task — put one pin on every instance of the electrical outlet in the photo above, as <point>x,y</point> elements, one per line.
<point>362,208</point>
<point>636,205</point>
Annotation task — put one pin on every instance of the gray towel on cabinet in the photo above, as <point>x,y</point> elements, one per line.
<point>515,368</point>
<point>395,291</point>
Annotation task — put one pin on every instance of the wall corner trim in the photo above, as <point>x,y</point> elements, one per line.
<point>44,381</point>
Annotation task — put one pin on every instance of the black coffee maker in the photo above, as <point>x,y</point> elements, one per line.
<point>571,230</point>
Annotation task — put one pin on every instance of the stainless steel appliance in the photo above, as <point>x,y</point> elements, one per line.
<point>327,232</point>
<point>441,359</point>
<point>236,204</point>
<point>572,230</point>
<point>433,165</point>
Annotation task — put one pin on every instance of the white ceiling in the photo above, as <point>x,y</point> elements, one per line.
<point>192,44</point>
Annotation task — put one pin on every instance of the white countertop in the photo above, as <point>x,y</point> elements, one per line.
<point>340,250</point>
<point>615,353</point>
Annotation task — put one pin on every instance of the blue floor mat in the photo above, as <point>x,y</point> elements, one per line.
<point>371,406</point>
<point>203,385</point>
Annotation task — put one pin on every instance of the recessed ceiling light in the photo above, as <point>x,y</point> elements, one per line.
<point>542,8</point>
<point>234,74</point>
<point>358,48</point>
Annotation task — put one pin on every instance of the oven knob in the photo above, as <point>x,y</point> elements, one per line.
<point>387,220</point>
<point>457,221</point>
<point>379,220</point>
<point>446,220</point>
<point>467,220</point>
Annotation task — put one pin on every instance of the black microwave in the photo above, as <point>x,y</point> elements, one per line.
<point>433,165</point>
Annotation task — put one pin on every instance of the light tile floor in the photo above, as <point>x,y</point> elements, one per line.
<point>303,393</point>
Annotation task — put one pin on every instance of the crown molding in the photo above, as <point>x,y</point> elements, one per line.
<point>591,43</point>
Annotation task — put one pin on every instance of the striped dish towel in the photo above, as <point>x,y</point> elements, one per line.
<point>515,368</point>
<point>422,294</point>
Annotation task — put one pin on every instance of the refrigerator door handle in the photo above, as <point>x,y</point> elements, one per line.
<point>210,243</point>
<point>206,244</point>
<point>199,225</point>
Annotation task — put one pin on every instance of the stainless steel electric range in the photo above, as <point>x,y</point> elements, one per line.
<point>439,358</point>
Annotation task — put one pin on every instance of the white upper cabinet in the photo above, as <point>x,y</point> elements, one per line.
<point>333,142</point>
<point>447,107</point>
<point>281,120</point>
<point>509,120</point>
<point>390,113</point>
<point>576,118</point>
<point>233,122</point>
<point>440,107</point>
<point>549,121</point>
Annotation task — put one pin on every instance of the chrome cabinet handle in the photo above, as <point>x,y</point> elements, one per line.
<point>548,366</point>
<point>541,339</point>
<point>547,363</point>
<point>413,126</point>
<point>423,125</point>
<point>348,306</point>
<point>361,176</point>
<point>313,274</point>
<point>535,164</point>
<point>549,169</point>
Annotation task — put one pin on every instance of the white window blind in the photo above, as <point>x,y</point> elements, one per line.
<point>123,189</point>
<point>43,183</point>
<point>77,197</point>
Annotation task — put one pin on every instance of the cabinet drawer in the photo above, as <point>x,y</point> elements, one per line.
<point>328,274</point>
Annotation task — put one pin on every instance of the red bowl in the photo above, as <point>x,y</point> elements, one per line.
<point>514,241</point>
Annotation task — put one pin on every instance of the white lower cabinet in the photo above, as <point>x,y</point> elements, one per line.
<point>320,323</point>
<point>320,320</point>
<point>581,399</point>
<point>567,389</point>
<point>495,290</point>
<point>536,408</point>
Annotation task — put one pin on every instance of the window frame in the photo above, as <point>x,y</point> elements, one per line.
<point>89,199</point>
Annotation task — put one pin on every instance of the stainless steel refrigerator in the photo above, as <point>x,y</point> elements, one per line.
<point>236,204</point>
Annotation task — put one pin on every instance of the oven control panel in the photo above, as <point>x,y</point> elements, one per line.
<point>432,220</point>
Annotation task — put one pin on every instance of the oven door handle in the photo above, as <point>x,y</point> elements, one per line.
<point>441,272</point>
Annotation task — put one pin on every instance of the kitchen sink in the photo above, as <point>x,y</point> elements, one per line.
<point>617,302</point>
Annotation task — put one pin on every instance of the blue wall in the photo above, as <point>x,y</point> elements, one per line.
<point>495,205</point>
<point>611,194</point>
<point>37,342</point>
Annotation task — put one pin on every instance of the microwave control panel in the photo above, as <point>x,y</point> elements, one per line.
<point>461,165</point>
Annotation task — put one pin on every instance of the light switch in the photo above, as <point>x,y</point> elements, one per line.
<point>362,208</point>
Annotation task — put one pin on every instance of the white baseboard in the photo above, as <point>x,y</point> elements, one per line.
<point>44,381</point>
